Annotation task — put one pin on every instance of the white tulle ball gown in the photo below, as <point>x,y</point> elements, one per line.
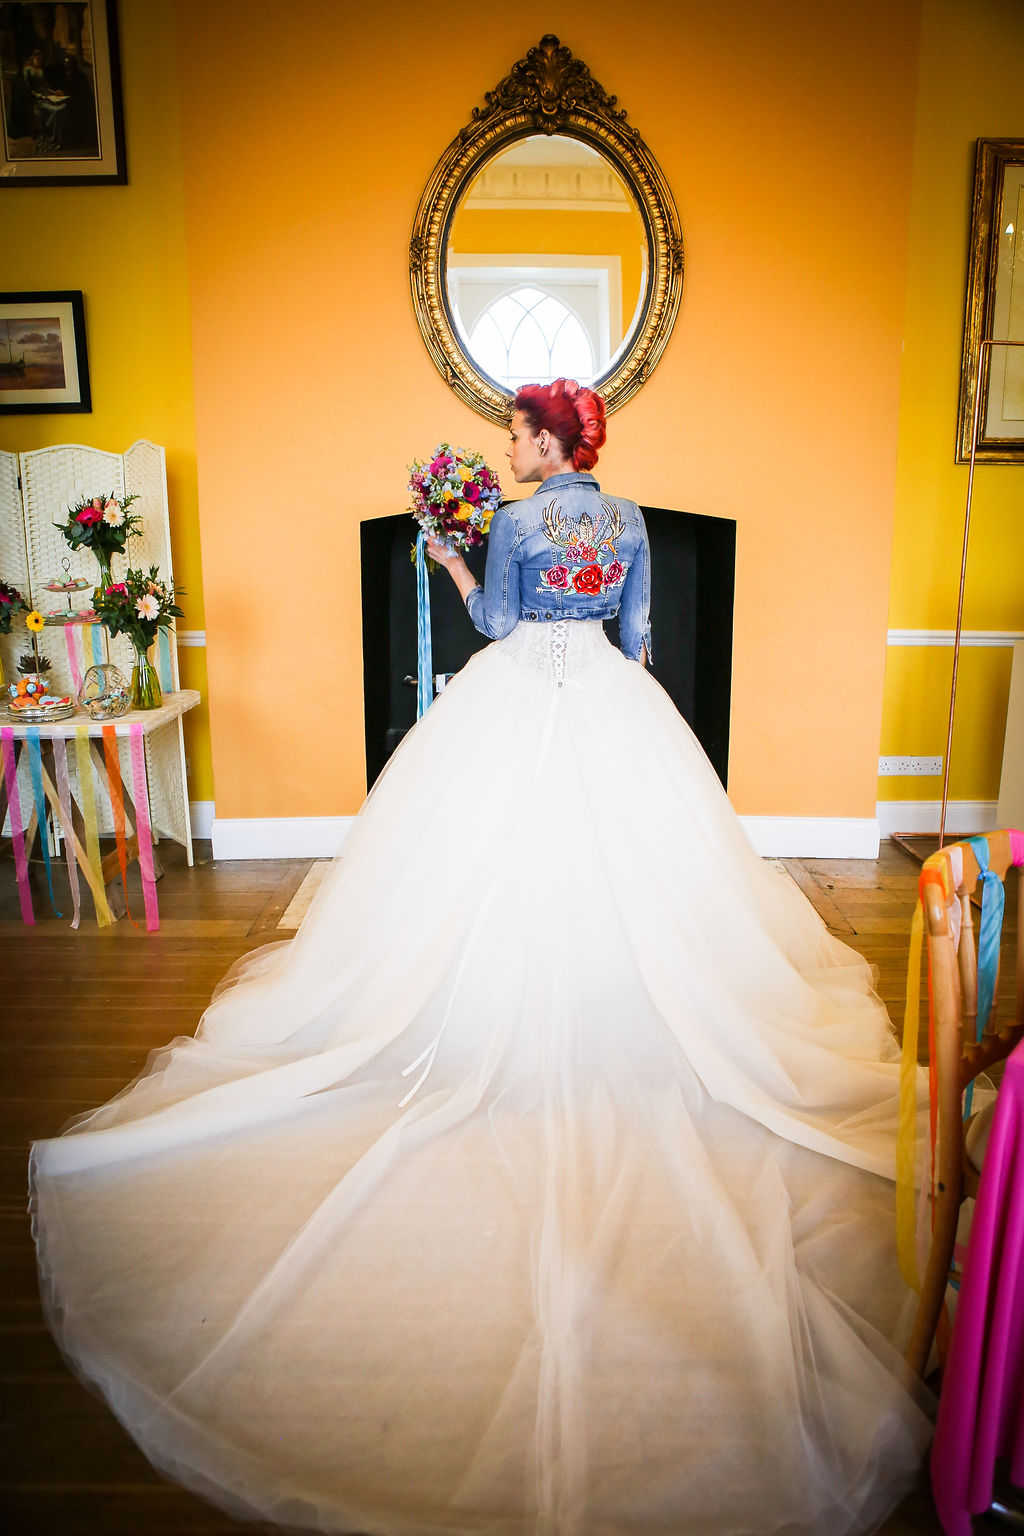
<point>542,1184</point>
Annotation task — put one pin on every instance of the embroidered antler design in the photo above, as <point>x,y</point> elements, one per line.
<point>554,522</point>
<point>616,526</point>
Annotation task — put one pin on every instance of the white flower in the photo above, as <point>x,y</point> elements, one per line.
<point>113,514</point>
<point>147,607</point>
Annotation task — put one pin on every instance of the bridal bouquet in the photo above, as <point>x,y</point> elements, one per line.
<point>454,496</point>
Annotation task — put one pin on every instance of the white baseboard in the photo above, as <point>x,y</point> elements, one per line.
<point>278,837</point>
<point>923,816</point>
<point>813,837</point>
<point>200,815</point>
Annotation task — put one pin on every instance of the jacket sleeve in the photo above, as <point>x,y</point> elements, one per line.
<point>635,608</point>
<point>494,607</point>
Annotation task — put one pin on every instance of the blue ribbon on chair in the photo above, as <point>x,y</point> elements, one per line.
<point>35,759</point>
<point>993,899</point>
<point>424,645</point>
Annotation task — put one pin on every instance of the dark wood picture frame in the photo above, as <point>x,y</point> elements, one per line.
<point>61,119</point>
<point>51,374</point>
<point>996,254</point>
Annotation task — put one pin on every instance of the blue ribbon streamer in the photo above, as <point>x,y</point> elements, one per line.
<point>993,899</point>
<point>163,651</point>
<point>35,759</point>
<point>424,645</point>
<point>96,631</point>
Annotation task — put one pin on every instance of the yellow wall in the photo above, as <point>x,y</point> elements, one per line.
<point>786,133</point>
<point>124,247</point>
<point>539,231</point>
<point>971,69</point>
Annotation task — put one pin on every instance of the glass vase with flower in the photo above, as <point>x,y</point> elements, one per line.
<point>102,525</point>
<point>139,607</point>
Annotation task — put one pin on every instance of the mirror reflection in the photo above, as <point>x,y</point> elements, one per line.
<point>546,265</point>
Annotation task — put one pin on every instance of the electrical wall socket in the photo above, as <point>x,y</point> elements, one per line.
<point>910,767</point>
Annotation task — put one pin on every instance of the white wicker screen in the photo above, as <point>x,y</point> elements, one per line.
<point>52,479</point>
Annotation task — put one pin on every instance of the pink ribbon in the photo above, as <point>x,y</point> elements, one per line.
<point>17,830</point>
<point>1017,848</point>
<point>143,828</point>
<point>72,640</point>
<point>60,757</point>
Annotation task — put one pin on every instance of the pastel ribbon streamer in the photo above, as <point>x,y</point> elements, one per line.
<point>60,758</point>
<point>143,828</point>
<point>72,641</point>
<point>96,634</point>
<point>993,900</point>
<point>35,763</point>
<point>113,759</point>
<point>935,871</point>
<point>17,830</point>
<point>163,656</point>
<point>424,643</point>
<point>104,916</point>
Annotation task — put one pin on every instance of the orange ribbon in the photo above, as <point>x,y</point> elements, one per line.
<point>117,807</point>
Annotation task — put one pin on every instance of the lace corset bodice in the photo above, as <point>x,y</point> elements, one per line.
<point>559,652</point>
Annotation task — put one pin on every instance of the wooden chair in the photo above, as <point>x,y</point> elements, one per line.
<point>948,880</point>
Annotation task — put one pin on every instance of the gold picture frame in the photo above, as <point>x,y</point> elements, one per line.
<point>549,91</point>
<point>994,311</point>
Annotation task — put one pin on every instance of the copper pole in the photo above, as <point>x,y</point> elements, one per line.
<point>989,342</point>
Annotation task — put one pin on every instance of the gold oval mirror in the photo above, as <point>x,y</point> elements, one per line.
<point>546,242</point>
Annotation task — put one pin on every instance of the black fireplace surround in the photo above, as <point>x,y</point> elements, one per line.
<point>693,580</point>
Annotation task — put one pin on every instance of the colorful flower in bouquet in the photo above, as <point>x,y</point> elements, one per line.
<point>454,496</point>
<point>102,524</point>
<point>138,607</point>
<point>11,602</point>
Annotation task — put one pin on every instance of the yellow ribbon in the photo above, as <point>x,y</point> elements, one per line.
<point>92,836</point>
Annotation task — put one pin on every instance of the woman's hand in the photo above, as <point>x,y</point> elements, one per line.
<point>454,564</point>
<point>443,553</point>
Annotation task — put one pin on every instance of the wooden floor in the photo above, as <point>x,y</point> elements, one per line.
<point>81,1012</point>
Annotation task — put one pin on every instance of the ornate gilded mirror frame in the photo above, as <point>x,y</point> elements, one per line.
<point>548,92</point>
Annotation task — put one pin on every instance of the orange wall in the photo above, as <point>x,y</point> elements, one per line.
<point>785,131</point>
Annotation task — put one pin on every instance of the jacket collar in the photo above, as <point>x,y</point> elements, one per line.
<point>571,477</point>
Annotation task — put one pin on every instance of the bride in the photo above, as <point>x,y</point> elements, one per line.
<point>543,1183</point>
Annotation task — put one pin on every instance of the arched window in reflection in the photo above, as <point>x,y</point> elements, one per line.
<point>528,335</point>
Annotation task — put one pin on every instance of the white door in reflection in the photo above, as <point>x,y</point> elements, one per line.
<point>530,334</point>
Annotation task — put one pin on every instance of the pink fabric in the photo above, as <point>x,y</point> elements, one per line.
<point>17,828</point>
<point>143,830</point>
<point>72,643</point>
<point>981,1409</point>
<point>1017,848</point>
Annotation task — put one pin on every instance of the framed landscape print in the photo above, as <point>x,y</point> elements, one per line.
<point>995,308</point>
<point>60,95</point>
<point>43,361</point>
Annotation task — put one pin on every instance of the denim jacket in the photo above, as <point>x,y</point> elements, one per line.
<point>567,552</point>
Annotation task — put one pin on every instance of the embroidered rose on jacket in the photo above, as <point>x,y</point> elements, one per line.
<point>581,554</point>
<point>557,577</point>
<point>589,581</point>
<point>614,573</point>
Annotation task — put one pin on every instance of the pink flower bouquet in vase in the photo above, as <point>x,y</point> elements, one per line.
<point>102,525</point>
<point>139,607</point>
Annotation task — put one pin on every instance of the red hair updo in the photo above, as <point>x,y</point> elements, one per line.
<point>573,414</point>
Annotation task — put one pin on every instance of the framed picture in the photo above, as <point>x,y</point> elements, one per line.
<point>60,95</point>
<point>43,361</point>
<point>995,308</point>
